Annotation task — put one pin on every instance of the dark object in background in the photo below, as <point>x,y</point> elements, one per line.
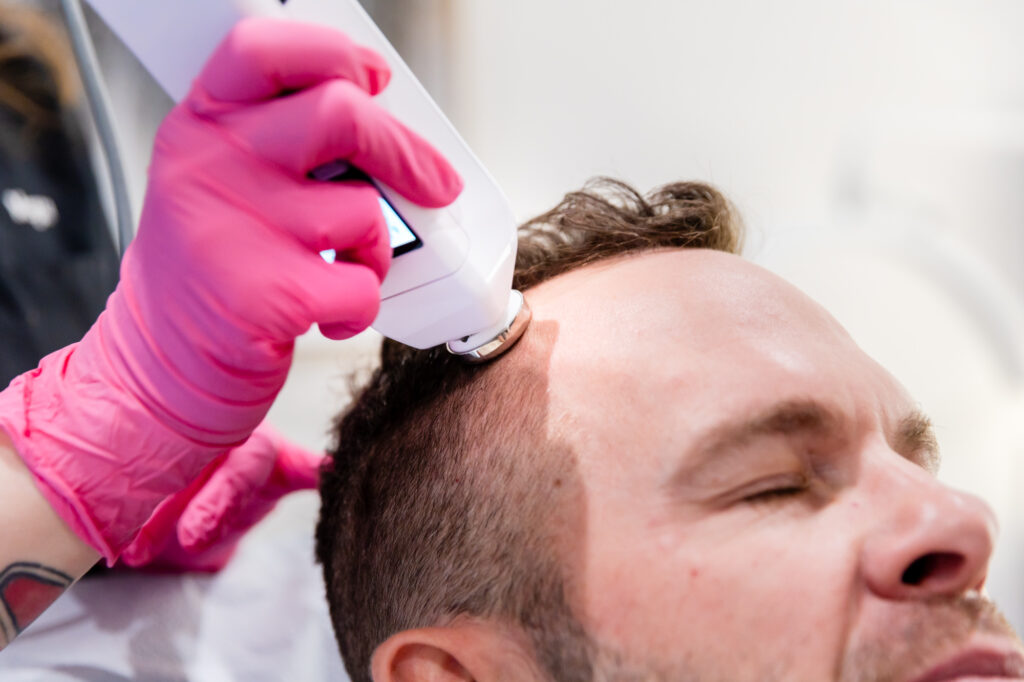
<point>57,260</point>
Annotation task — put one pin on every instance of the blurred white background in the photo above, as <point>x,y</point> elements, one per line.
<point>875,148</point>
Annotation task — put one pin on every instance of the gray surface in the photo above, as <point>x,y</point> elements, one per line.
<point>262,618</point>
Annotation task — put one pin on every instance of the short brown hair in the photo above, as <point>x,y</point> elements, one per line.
<point>431,507</point>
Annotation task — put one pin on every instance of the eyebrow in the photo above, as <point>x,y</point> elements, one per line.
<point>784,419</point>
<point>913,438</point>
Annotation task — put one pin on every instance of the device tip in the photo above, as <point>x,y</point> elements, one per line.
<point>487,345</point>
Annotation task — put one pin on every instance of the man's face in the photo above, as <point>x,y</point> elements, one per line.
<point>759,496</point>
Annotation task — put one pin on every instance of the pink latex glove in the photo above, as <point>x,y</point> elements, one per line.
<point>199,528</point>
<point>196,341</point>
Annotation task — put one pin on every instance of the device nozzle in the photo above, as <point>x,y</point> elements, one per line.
<point>490,343</point>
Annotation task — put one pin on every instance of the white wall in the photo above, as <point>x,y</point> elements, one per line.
<point>756,96</point>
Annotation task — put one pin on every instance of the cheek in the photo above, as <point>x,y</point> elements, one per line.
<point>751,596</point>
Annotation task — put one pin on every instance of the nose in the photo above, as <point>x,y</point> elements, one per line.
<point>932,541</point>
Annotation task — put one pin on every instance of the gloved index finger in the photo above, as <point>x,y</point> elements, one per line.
<point>264,57</point>
<point>336,120</point>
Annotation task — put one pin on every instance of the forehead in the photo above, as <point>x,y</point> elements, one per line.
<point>638,341</point>
<point>695,297</point>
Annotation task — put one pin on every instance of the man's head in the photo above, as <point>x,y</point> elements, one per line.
<point>685,470</point>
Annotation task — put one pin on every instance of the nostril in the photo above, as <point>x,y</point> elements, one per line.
<point>934,566</point>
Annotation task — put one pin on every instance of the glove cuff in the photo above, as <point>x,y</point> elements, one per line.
<point>98,457</point>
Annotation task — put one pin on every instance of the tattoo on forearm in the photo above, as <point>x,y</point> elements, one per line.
<point>26,589</point>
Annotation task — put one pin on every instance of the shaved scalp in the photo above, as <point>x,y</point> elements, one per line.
<point>445,497</point>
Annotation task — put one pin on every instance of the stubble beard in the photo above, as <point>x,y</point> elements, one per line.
<point>922,635</point>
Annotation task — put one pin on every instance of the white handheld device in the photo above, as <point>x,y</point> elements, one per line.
<point>451,277</point>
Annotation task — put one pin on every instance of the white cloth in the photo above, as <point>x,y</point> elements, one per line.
<point>264,617</point>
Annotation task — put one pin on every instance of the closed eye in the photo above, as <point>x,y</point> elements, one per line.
<point>775,488</point>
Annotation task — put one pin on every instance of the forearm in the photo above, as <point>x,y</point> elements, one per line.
<point>39,555</point>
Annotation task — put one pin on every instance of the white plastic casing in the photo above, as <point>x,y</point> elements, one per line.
<point>459,281</point>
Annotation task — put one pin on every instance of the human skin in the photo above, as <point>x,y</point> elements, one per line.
<point>679,568</point>
<point>780,555</point>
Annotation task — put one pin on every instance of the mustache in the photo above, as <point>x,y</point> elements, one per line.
<point>922,634</point>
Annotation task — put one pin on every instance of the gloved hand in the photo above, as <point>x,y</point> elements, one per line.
<point>199,528</point>
<point>197,339</point>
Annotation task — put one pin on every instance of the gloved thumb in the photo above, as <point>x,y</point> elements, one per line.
<point>153,538</point>
<point>245,488</point>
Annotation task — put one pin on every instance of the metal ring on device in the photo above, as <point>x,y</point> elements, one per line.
<point>501,342</point>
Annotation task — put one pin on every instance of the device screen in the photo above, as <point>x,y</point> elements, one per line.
<point>403,239</point>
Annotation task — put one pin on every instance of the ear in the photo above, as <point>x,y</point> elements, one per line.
<point>459,652</point>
